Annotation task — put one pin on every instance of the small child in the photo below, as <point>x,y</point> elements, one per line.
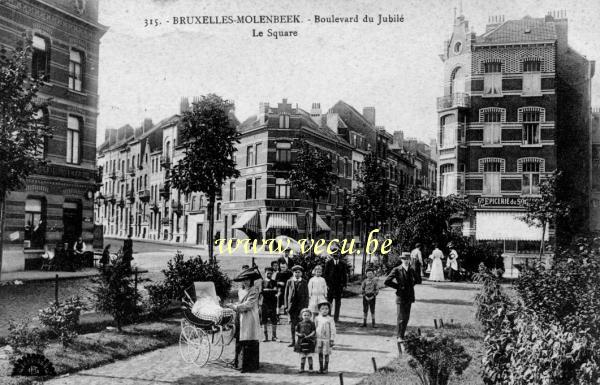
<point>268,308</point>
<point>305,344</point>
<point>369,292</point>
<point>325,327</point>
<point>317,290</point>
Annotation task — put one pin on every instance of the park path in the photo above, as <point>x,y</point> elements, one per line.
<point>352,356</point>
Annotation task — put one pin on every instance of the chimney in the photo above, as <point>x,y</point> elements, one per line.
<point>398,139</point>
<point>107,133</point>
<point>332,121</point>
<point>494,22</point>
<point>147,124</point>
<point>138,131</point>
<point>315,112</point>
<point>184,105</point>
<point>263,111</point>
<point>559,18</point>
<point>369,114</point>
<point>112,136</point>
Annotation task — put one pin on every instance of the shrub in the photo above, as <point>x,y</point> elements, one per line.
<point>63,319</point>
<point>115,293</point>
<point>25,339</point>
<point>159,298</point>
<point>436,357</point>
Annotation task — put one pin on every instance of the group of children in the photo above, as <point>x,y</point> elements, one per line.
<point>312,327</point>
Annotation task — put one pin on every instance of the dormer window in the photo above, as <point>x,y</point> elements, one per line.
<point>284,121</point>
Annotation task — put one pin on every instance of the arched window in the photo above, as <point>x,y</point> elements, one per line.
<point>457,81</point>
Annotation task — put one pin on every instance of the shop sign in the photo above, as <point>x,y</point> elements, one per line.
<point>503,201</point>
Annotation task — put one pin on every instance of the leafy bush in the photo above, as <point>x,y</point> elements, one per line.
<point>159,298</point>
<point>115,293</point>
<point>436,357</point>
<point>25,339</point>
<point>63,319</point>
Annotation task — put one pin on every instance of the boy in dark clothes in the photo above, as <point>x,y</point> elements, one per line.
<point>296,298</point>
<point>282,277</point>
<point>268,308</point>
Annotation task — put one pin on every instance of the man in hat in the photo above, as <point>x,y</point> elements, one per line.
<point>402,279</point>
<point>336,276</point>
<point>296,298</point>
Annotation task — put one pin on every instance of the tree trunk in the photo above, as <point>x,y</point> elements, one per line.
<point>364,260</point>
<point>542,241</point>
<point>211,227</point>
<point>314,220</point>
<point>2,210</point>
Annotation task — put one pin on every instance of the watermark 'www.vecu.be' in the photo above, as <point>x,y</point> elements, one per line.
<point>319,246</point>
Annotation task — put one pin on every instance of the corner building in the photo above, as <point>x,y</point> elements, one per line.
<point>56,205</point>
<point>516,107</point>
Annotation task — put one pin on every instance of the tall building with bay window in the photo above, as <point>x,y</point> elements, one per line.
<point>56,204</point>
<point>516,107</point>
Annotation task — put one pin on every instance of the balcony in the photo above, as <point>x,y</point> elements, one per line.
<point>165,161</point>
<point>144,195</point>
<point>458,100</point>
<point>130,196</point>
<point>165,221</point>
<point>164,190</point>
<point>131,171</point>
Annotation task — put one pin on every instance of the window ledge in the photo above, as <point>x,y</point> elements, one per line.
<point>531,95</point>
<point>531,195</point>
<point>492,95</point>
<point>491,195</point>
<point>77,92</point>
<point>491,145</point>
<point>539,145</point>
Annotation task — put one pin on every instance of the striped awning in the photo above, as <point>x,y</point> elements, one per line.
<point>282,221</point>
<point>505,226</point>
<point>321,225</point>
<point>247,220</point>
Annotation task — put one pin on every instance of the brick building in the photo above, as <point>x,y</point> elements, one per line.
<point>56,204</point>
<point>516,107</point>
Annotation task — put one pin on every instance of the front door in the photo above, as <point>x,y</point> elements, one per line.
<point>199,234</point>
<point>71,222</point>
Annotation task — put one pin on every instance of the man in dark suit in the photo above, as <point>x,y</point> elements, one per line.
<point>402,279</point>
<point>296,299</point>
<point>287,259</point>
<point>336,276</point>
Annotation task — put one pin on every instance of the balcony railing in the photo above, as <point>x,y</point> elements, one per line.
<point>165,161</point>
<point>458,100</point>
<point>144,195</point>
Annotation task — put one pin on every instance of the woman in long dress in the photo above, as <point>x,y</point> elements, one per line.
<point>249,324</point>
<point>437,268</point>
<point>317,290</point>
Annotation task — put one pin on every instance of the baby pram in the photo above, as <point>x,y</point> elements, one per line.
<point>204,335</point>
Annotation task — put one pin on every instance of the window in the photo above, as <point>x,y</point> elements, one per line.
<point>457,83</point>
<point>231,191</point>
<point>35,228</point>
<point>447,132</point>
<point>531,178</point>
<point>250,156</point>
<point>75,70</point>
<point>256,154</point>
<point>284,121</point>
<point>219,211</point>
<point>341,166</point>
<point>532,78</point>
<point>73,136</point>
<point>492,128</point>
<point>41,119</point>
<point>348,169</point>
<point>492,79</point>
<point>256,187</point>
<point>248,188</point>
<point>282,188</point>
<point>491,178</point>
<point>531,127</point>
<point>40,62</point>
<point>448,179</point>
<point>284,152</point>
<point>355,169</point>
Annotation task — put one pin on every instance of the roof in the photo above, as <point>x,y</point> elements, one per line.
<point>526,29</point>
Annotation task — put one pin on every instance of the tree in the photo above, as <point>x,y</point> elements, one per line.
<point>369,201</point>
<point>547,209</point>
<point>312,175</point>
<point>209,135</point>
<point>22,132</point>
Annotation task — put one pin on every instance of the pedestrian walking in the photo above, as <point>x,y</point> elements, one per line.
<point>416,262</point>
<point>305,343</point>
<point>370,290</point>
<point>336,276</point>
<point>317,290</point>
<point>452,263</point>
<point>325,333</point>
<point>268,307</point>
<point>249,326</point>
<point>437,268</point>
<point>401,278</point>
<point>296,299</point>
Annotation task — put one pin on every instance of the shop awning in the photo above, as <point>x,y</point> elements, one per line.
<point>247,220</point>
<point>321,225</point>
<point>282,221</point>
<point>505,226</point>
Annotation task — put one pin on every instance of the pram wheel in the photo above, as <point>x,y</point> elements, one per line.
<point>194,344</point>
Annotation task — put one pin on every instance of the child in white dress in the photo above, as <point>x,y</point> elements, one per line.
<point>317,290</point>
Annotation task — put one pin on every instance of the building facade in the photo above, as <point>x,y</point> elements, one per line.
<point>516,107</point>
<point>56,206</point>
<point>595,197</point>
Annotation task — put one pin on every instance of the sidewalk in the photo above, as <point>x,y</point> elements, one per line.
<point>39,275</point>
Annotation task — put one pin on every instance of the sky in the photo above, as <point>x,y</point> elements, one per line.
<point>394,67</point>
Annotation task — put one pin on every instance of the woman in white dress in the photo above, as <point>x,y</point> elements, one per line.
<point>437,268</point>
<point>317,290</point>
